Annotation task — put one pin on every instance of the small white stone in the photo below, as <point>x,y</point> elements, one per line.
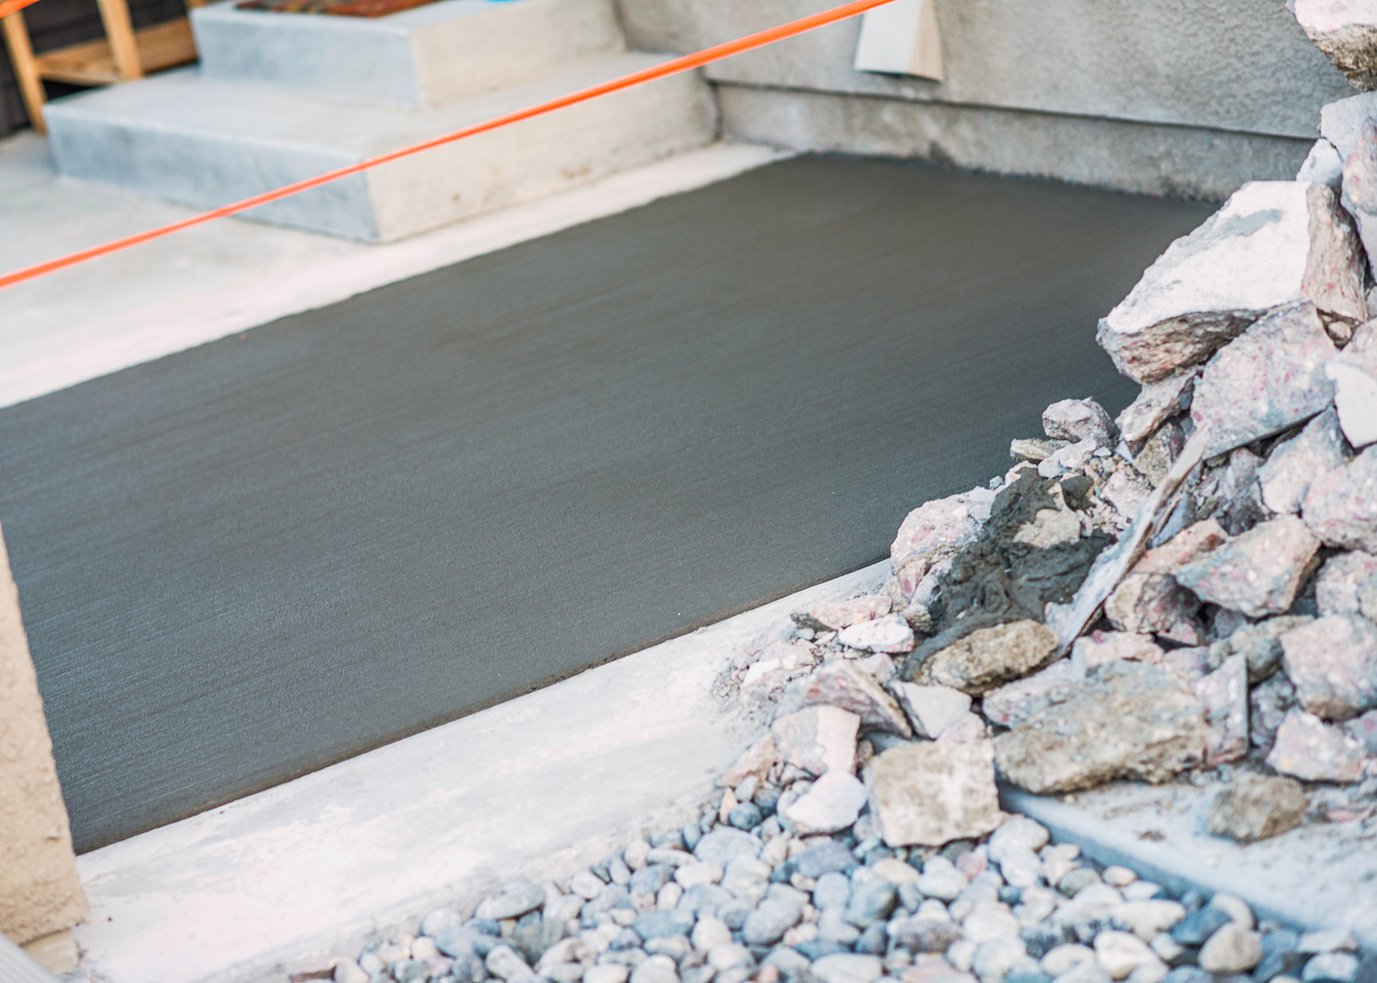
<point>1065,957</point>
<point>710,932</point>
<point>843,967</point>
<point>348,971</point>
<point>990,920</point>
<point>1235,907</point>
<point>1147,919</point>
<point>656,969</point>
<point>1166,948</point>
<point>1116,876</point>
<point>894,871</point>
<point>586,884</point>
<point>995,957</point>
<point>1235,948</point>
<point>1121,953</point>
<point>691,875</point>
<point>635,853</point>
<point>961,954</point>
<point>940,879</point>
<point>606,973</point>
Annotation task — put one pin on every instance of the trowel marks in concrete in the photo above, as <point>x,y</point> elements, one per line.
<point>246,561</point>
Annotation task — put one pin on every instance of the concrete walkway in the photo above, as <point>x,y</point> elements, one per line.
<point>244,562</point>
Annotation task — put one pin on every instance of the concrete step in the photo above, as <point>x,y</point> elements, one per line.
<point>202,141</point>
<point>430,55</point>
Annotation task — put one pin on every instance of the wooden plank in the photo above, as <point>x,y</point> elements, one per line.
<point>119,30</point>
<point>26,68</point>
<point>161,46</point>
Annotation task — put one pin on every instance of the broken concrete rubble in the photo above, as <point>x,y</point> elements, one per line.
<point>817,739</point>
<point>1346,31</point>
<point>1332,661</point>
<point>1323,165</point>
<point>1257,807</point>
<point>1295,462</point>
<point>1274,243</point>
<point>1268,379</point>
<point>1156,403</point>
<point>1077,420</point>
<point>1128,720</point>
<point>1354,374</point>
<point>1224,696</point>
<point>931,794</point>
<point>1313,751</point>
<point>985,658</point>
<point>1347,584</point>
<point>1257,573</point>
<point>842,684</point>
<point>1340,507</point>
<point>932,709</point>
<point>844,614</point>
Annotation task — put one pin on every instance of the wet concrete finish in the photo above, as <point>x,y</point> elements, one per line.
<point>249,560</point>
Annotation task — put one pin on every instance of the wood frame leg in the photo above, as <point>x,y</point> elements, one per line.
<point>119,29</point>
<point>25,68</point>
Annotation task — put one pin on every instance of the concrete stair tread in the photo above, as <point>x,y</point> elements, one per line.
<point>428,55</point>
<point>187,102</point>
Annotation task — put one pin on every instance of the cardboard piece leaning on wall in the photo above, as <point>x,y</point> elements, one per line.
<point>40,894</point>
<point>901,38</point>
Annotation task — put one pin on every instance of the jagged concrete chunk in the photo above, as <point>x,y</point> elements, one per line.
<point>1149,600</point>
<point>932,793</point>
<point>1257,573</point>
<point>1257,807</point>
<point>1259,645</point>
<point>891,634</point>
<point>1354,374</point>
<point>1224,695</point>
<point>936,531</point>
<point>1342,121</point>
<point>1156,403</point>
<point>1341,506</point>
<point>1346,31</point>
<point>842,684</point>
<point>817,739</point>
<point>1274,243</point>
<point>1295,463</point>
<point>1102,647</point>
<point>1333,663</point>
<point>832,804</point>
<point>1347,584</point>
<point>986,658</point>
<point>1129,720</point>
<point>1270,378</point>
<point>1313,751</point>
<point>1023,699</point>
<point>1323,165</point>
<point>844,614</point>
<point>932,709</point>
<point>1079,420</point>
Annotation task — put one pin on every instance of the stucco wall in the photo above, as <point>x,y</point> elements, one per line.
<point>1238,73</point>
<point>39,890</point>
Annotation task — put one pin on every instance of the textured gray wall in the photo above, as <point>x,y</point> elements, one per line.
<point>1222,90</point>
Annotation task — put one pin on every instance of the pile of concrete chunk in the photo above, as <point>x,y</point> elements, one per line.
<point>1190,585</point>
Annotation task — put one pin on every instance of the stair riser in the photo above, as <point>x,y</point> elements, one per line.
<point>432,55</point>
<point>201,171</point>
<point>434,188</point>
<point>542,156</point>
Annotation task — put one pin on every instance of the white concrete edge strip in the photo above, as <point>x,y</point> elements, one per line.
<point>16,967</point>
<point>145,303</point>
<point>1318,876</point>
<point>533,787</point>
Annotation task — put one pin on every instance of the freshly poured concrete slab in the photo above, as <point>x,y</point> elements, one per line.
<point>1319,875</point>
<point>536,787</point>
<point>246,561</point>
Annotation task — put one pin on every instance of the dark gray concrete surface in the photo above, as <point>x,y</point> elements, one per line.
<point>246,561</point>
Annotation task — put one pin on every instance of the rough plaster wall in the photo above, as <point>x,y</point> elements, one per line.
<point>39,890</point>
<point>1155,160</point>
<point>1228,66</point>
